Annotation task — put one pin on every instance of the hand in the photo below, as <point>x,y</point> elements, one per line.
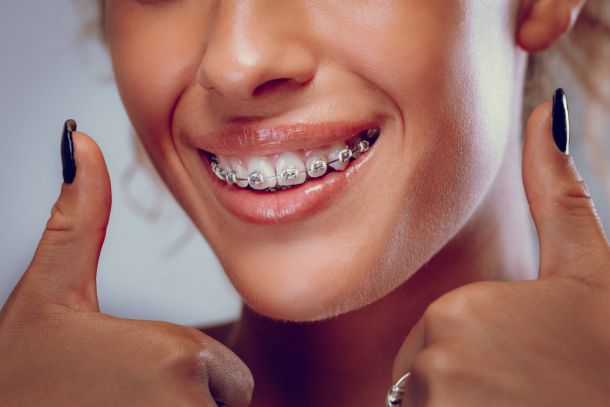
<point>57,349</point>
<point>542,342</point>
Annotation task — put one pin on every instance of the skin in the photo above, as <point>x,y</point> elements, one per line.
<point>220,45</point>
<point>445,79</point>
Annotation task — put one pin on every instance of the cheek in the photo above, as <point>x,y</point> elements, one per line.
<point>451,77</point>
<point>152,67</point>
<point>156,56</point>
<point>448,69</point>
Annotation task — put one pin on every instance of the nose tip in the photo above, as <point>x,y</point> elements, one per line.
<point>246,71</point>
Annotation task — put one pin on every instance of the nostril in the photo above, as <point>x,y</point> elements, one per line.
<point>276,84</point>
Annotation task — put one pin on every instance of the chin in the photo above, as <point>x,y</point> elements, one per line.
<point>301,300</point>
<point>311,285</point>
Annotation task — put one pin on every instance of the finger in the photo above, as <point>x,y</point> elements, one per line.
<point>229,380</point>
<point>411,347</point>
<point>64,266</point>
<point>569,229</point>
<point>413,344</point>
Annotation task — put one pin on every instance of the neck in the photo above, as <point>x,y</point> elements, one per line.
<point>349,358</point>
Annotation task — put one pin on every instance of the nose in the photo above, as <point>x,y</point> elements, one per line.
<point>254,50</point>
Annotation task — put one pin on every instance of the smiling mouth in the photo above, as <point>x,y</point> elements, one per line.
<point>279,172</point>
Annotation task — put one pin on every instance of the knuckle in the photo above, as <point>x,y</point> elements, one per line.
<point>66,225</point>
<point>170,351</point>
<point>459,304</point>
<point>60,230</point>
<point>59,221</point>
<point>193,356</point>
<point>436,363</point>
<point>573,196</point>
<point>438,312</point>
<point>437,317</point>
<point>461,308</point>
<point>173,346</point>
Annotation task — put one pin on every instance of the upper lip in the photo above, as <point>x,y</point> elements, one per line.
<point>240,140</point>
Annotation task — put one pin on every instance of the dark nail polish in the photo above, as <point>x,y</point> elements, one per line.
<point>67,152</point>
<point>561,121</point>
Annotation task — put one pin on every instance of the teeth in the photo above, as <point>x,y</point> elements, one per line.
<point>316,164</point>
<point>360,148</point>
<point>290,169</point>
<point>221,168</point>
<point>241,172</point>
<point>336,156</point>
<point>345,155</point>
<point>261,174</point>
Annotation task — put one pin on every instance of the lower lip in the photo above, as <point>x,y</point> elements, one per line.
<point>265,208</point>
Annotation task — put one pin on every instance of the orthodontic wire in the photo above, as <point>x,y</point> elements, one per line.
<point>298,172</point>
<point>353,150</point>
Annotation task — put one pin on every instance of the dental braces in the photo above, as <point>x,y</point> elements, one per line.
<point>318,167</point>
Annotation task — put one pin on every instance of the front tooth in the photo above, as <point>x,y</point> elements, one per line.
<point>333,154</point>
<point>261,174</point>
<point>316,164</point>
<point>290,169</point>
<point>241,172</point>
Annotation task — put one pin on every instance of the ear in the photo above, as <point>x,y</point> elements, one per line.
<point>542,22</point>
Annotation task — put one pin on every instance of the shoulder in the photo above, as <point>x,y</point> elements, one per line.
<point>220,332</point>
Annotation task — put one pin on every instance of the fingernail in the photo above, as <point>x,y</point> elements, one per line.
<point>67,152</point>
<point>561,121</point>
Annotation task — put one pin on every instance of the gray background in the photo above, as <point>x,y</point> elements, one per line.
<point>159,269</point>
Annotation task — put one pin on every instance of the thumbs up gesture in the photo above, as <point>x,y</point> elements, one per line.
<point>542,342</point>
<point>57,349</point>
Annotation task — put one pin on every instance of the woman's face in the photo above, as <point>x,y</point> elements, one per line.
<point>249,81</point>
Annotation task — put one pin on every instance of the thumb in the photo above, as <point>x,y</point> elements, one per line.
<point>569,230</point>
<point>64,266</point>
